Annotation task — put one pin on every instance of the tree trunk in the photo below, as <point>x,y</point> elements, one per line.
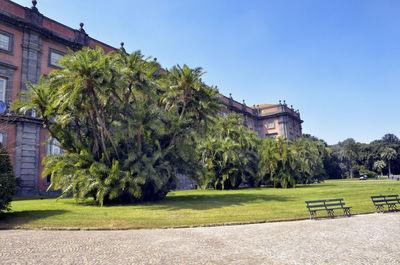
<point>95,116</point>
<point>139,141</point>
<point>96,148</point>
<point>390,172</point>
<point>351,170</point>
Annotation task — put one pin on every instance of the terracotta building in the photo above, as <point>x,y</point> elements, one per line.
<point>30,45</point>
<point>268,120</point>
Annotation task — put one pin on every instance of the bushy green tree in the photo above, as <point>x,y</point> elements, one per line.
<point>8,182</point>
<point>286,163</point>
<point>127,127</point>
<point>229,155</point>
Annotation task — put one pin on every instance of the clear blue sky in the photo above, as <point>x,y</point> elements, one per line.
<point>338,62</point>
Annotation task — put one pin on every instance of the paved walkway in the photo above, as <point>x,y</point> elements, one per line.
<point>361,239</point>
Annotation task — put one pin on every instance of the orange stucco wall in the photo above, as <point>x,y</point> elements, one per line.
<point>12,8</point>
<point>44,64</point>
<point>59,28</point>
<point>93,44</point>
<point>15,58</point>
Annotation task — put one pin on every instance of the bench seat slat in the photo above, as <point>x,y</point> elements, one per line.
<point>334,204</point>
<point>315,201</point>
<point>315,206</point>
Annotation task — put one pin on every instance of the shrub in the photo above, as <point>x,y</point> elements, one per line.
<point>8,182</point>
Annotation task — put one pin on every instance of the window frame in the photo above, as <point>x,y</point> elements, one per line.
<point>10,49</point>
<point>48,150</point>
<point>51,51</point>
<point>267,124</point>
<point>4,88</point>
<point>271,135</point>
<point>3,141</point>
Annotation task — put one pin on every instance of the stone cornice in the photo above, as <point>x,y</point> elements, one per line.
<point>8,64</point>
<point>24,24</point>
<point>13,118</point>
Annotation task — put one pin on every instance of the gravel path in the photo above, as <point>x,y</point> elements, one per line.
<point>361,239</point>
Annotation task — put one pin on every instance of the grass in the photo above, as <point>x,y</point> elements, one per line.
<point>194,207</point>
<point>35,197</point>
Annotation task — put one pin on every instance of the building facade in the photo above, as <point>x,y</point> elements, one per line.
<point>30,45</point>
<point>268,120</point>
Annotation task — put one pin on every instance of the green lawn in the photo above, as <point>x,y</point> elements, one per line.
<point>195,207</point>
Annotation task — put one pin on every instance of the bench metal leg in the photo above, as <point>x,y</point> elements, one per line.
<point>392,207</point>
<point>346,211</point>
<point>331,213</point>
<point>379,209</point>
<point>312,214</point>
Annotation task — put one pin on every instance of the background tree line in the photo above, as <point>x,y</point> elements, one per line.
<point>352,159</point>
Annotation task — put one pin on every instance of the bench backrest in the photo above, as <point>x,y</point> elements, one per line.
<point>378,199</point>
<point>324,204</point>
<point>334,202</point>
<point>315,204</point>
<point>392,198</point>
<point>385,199</point>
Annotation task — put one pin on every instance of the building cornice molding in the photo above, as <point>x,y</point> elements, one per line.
<point>13,119</point>
<point>26,25</point>
<point>7,64</point>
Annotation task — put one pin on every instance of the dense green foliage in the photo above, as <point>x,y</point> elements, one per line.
<point>8,182</point>
<point>286,163</point>
<point>229,153</point>
<point>127,127</point>
<point>352,159</point>
<point>233,155</point>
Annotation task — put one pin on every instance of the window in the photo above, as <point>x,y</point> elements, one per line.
<point>54,56</point>
<point>251,125</point>
<point>3,82</point>
<point>6,42</point>
<point>270,124</point>
<point>52,147</point>
<point>271,135</point>
<point>3,138</point>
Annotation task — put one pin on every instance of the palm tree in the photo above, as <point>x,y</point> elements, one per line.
<point>89,72</point>
<point>229,154</point>
<point>389,154</point>
<point>379,165</point>
<point>182,83</point>
<point>348,153</point>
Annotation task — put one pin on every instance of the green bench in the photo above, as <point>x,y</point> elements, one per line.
<point>381,201</point>
<point>327,205</point>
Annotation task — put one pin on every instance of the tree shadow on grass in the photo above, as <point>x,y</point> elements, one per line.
<point>214,201</point>
<point>9,220</point>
